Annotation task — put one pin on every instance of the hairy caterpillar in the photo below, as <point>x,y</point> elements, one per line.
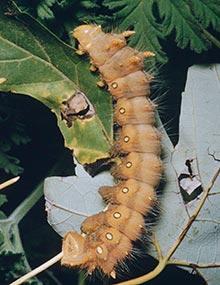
<point>107,237</point>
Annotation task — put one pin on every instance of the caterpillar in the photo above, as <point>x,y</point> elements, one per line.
<point>107,237</point>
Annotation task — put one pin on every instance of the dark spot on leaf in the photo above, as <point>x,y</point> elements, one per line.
<point>77,107</point>
<point>189,183</point>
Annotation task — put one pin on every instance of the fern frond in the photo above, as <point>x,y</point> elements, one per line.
<point>138,15</point>
<point>177,16</point>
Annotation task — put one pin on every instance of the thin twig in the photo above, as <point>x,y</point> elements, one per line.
<point>157,247</point>
<point>38,270</point>
<point>18,214</point>
<point>165,260</point>
<point>193,265</point>
<point>208,220</point>
<point>9,182</point>
<point>193,217</point>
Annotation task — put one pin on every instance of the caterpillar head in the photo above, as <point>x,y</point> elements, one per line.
<point>74,250</point>
<point>85,33</point>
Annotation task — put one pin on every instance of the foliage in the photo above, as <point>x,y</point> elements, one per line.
<point>158,19</point>
<point>3,200</point>
<point>48,70</point>
<point>12,134</point>
<point>11,267</point>
<point>36,63</point>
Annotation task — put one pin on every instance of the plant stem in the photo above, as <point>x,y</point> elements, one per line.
<point>210,37</point>
<point>81,280</point>
<point>37,270</point>
<point>18,214</point>
<point>193,217</point>
<point>193,265</point>
<point>164,261</point>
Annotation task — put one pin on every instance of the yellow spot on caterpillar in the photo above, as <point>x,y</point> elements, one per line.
<point>122,110</point>
<point>2,80</point>
<point>113,274</point>
<point>125,190</point>
<point>109,236</point>
<point>150,198</point>
<point>99,250</point>
<point>128,164</point>
<point>117,215</point>
<point>126,139</point>
<point>114,85</point>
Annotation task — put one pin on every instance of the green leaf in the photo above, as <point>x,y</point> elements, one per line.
<point>36,63</point>
<point>10,164</point>
<point>138,15</point>
<point>177,16</point>
<point>208,12</point>
<point>3,199</point>
<point>12,266</point>
<point>44,10</point>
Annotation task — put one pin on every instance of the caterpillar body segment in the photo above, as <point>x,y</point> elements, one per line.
<point>107,237</point>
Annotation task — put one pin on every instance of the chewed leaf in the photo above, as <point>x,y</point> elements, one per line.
<point>69,200</point>
<point>36,63</point>
<point>189,169</point>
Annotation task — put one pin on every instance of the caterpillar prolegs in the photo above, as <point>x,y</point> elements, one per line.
<point>107,237</point>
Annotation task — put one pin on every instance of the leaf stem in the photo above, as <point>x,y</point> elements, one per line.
<point>38,269</point>
<point>157,247</point>
<point>18,214</point>
<point>210,37</point>
<point>193,265</point>
<point>193,217</point>
<point>164,261</point>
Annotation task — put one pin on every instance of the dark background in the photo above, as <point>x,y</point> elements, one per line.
<point>46,146</point>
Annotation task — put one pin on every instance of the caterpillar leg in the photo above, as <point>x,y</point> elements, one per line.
<point>80,50</point>
<point>92,68</point>
<point>101,83</point>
